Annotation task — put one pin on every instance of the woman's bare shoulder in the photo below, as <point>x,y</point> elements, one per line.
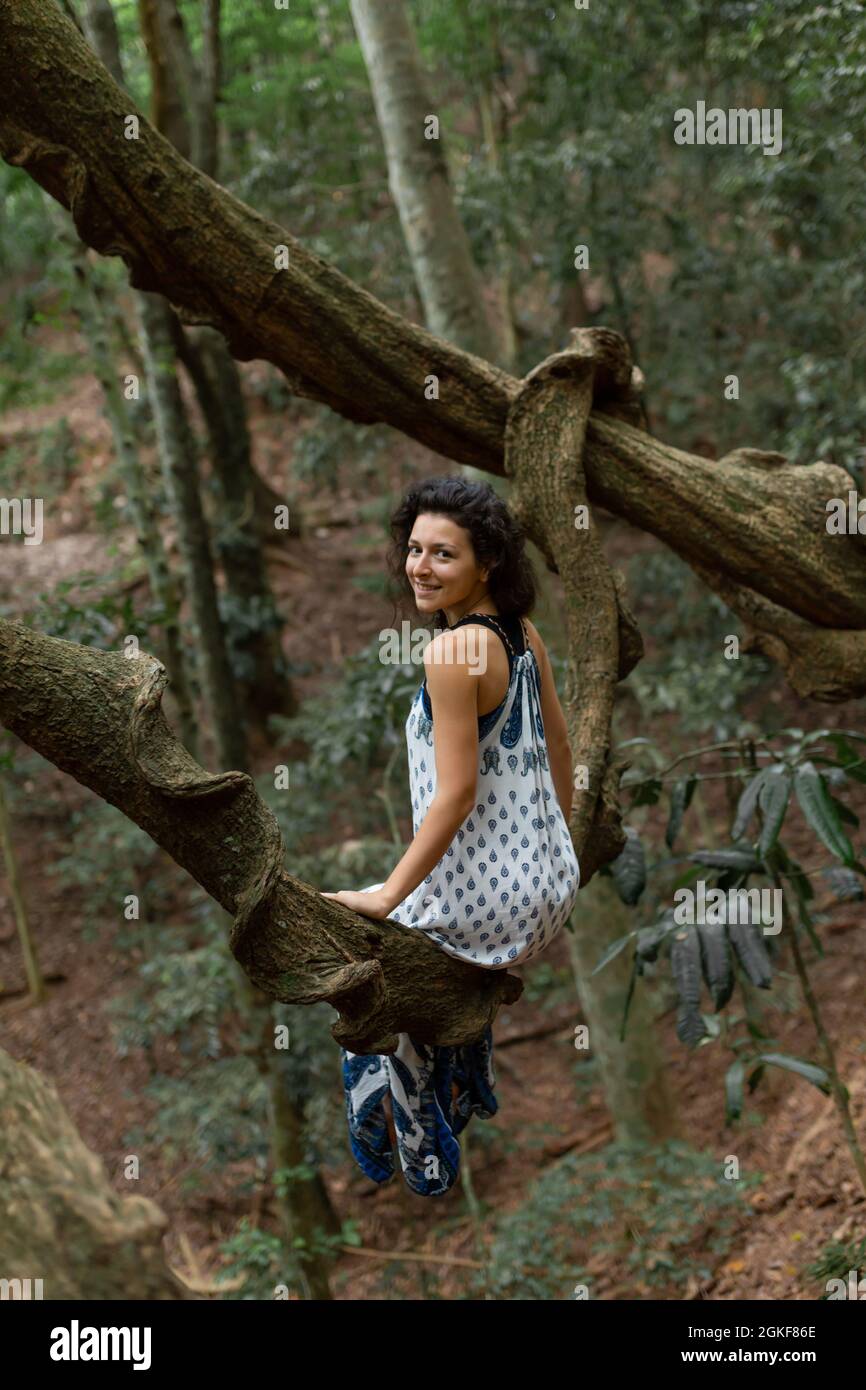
<point>535,638</point>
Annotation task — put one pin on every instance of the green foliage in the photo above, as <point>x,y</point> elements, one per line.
<point>651,1209</point>
<point>799,769</point>
<point>88,609</point>
<point>97,839</point>
<point>212,1115</point>
<point>835,1261</point>
<point>267,1266</point>
<point>184,995</point>
<point>348,729</point>
<point>333,450</point>
<point>259,1259</point>
<point>685,672</point>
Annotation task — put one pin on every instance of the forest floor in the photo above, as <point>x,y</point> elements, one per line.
<point>808,1195</point>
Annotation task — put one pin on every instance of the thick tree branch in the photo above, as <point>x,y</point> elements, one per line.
<point>98,716</point>
<point>821,663</point>
<point>63,119</point>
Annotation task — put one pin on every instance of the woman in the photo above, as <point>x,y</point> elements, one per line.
<point>491,873</point>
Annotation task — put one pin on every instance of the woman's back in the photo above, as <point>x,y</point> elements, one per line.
<point>508,880</point>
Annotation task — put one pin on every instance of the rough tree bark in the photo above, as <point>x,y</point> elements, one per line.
<point>97,715</point>
<point>545,440</point>
<point>445,273</point>
<point>760,521</point>
<point>55,1197</point>
<point>544,448</point>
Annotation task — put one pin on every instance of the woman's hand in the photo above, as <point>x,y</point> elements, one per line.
<point>368,904</point>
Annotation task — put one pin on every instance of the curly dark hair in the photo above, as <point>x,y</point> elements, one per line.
<point>497,540</point>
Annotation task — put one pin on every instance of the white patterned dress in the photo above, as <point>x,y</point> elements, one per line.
<point>498,896</point>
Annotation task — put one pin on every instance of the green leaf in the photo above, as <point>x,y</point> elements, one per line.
<point>749,946</point>
<point>845,884</point>
<point>613,950</point>
<point>747,804</point>
<point>646,792</point>
<point>773,802</point>
<point>820,812</point>
<point>628,998</point>
<point>686,968</point>
<point>853,763</point>
<point>810,1071</point>
<point>741,860</point>
<point>844,812</point>
<point>629,868</point>
<point>649,939</point>
<point>681,795</point>
<point>717,964</point>
<point>734,1090</point>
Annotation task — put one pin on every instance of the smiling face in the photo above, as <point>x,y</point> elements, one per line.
<point>442,568</point>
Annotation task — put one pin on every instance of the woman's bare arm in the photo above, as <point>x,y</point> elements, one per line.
<point>555,729</point>
<point>453,691</point>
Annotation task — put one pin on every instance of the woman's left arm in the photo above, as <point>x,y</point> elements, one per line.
<point>453,691</point>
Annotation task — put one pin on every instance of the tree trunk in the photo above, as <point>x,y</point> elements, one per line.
<point>175,442</point>
<point>62,1221</point>
<point>177,452</point>
<point>142,510</point>
<point>32,972</point>
<point>445,273</point>
<point>634,1069</point>
<point>545,440</point>
<point>253,626</point>
<point>252,622</point>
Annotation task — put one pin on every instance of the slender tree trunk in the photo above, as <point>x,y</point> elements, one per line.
<point>176,445</point>
<point>142,510</point>
<point>177,452</point>
<point>445,272</point>
<point>210,83</point>
<point>175,441</point>
<point>252,622</point>
<point>32,972</point>
<point>633,1070</point>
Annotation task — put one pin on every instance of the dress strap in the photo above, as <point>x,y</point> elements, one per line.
<point>489,618</point>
